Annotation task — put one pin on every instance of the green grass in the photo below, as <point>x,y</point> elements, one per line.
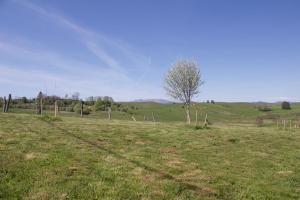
<point>92,158</point>
<point>228,113</point>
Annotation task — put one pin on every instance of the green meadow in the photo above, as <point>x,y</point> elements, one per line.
<point>69,157</point>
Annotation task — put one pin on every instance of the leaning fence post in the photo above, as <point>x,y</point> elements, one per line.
<point>4,104</point>
<point>8,103</point>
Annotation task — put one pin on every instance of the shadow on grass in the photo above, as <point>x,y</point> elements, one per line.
<point>163,175</point>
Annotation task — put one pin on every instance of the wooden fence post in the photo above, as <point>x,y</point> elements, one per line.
<point>8,103</point>
<point>196,123</point>
<point>4,104</point>
<point>41,106</point>
<point>81,109</point>
<point>55,108</point>
<point>153,118</point>
<point>205,120</point>
<point>109,113</point>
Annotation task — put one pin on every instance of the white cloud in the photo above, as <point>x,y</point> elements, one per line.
<point>44,69</point>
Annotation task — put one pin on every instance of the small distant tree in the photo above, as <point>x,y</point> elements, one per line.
<point>182,82</point>
<point>75,96</point>
<point>264,107</point>
<point>24,100</point>
<point>259,121</point>
<point>286,105</point>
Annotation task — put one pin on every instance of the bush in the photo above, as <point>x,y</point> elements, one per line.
<point>77,109</point>
<point>286,105</point>
<point>47,118</point>
<point>264,108</point>
<point>259,121</point>
<point>101,105</point>
<point>69,109</point>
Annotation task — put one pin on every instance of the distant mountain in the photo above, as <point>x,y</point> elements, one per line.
<point>162,101</point>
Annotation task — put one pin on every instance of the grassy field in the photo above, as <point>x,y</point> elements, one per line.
<point>217,113</point>
<point>93,158</point>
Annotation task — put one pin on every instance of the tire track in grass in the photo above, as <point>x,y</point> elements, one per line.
<point>161,174</point>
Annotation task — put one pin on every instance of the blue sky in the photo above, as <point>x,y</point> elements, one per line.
<point>246,50</point>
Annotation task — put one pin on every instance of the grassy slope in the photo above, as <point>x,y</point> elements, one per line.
<point>217,113</point>
<point>97,159</point>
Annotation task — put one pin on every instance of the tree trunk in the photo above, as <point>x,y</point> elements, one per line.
<point>188,119</point>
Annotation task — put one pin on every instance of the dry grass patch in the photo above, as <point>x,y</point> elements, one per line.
<point>143,142</point>
<point>285,173</point>
<point>172,150</point>
<point>193,176</point>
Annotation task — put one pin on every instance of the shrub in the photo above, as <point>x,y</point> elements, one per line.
<point>77,109</point>
<point>101,105</point>
<point>264,108</point>
<point>259,121</point>
<point>69,109</point>
<point>285,105</point>
<point>48,118</point>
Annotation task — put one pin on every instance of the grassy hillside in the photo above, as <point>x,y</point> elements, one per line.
<point>217,113</point>
<point>88,158</point>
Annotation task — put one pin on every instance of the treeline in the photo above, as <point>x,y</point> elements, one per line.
<point>67,104</point>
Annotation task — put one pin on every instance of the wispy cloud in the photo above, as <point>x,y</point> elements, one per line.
<point>93,41</point>
<point>48,70</point>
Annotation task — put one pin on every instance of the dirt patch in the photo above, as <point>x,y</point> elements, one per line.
<point>39,196</point>
<point>137,171</point>
<point>29,156</point>
<point>172,150</point>
<point>63,196</point>
<point>208,190</point>
<point>71,171</point>
<point>100,141</point>
<point>33,155</point>
<point>194,176</point>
